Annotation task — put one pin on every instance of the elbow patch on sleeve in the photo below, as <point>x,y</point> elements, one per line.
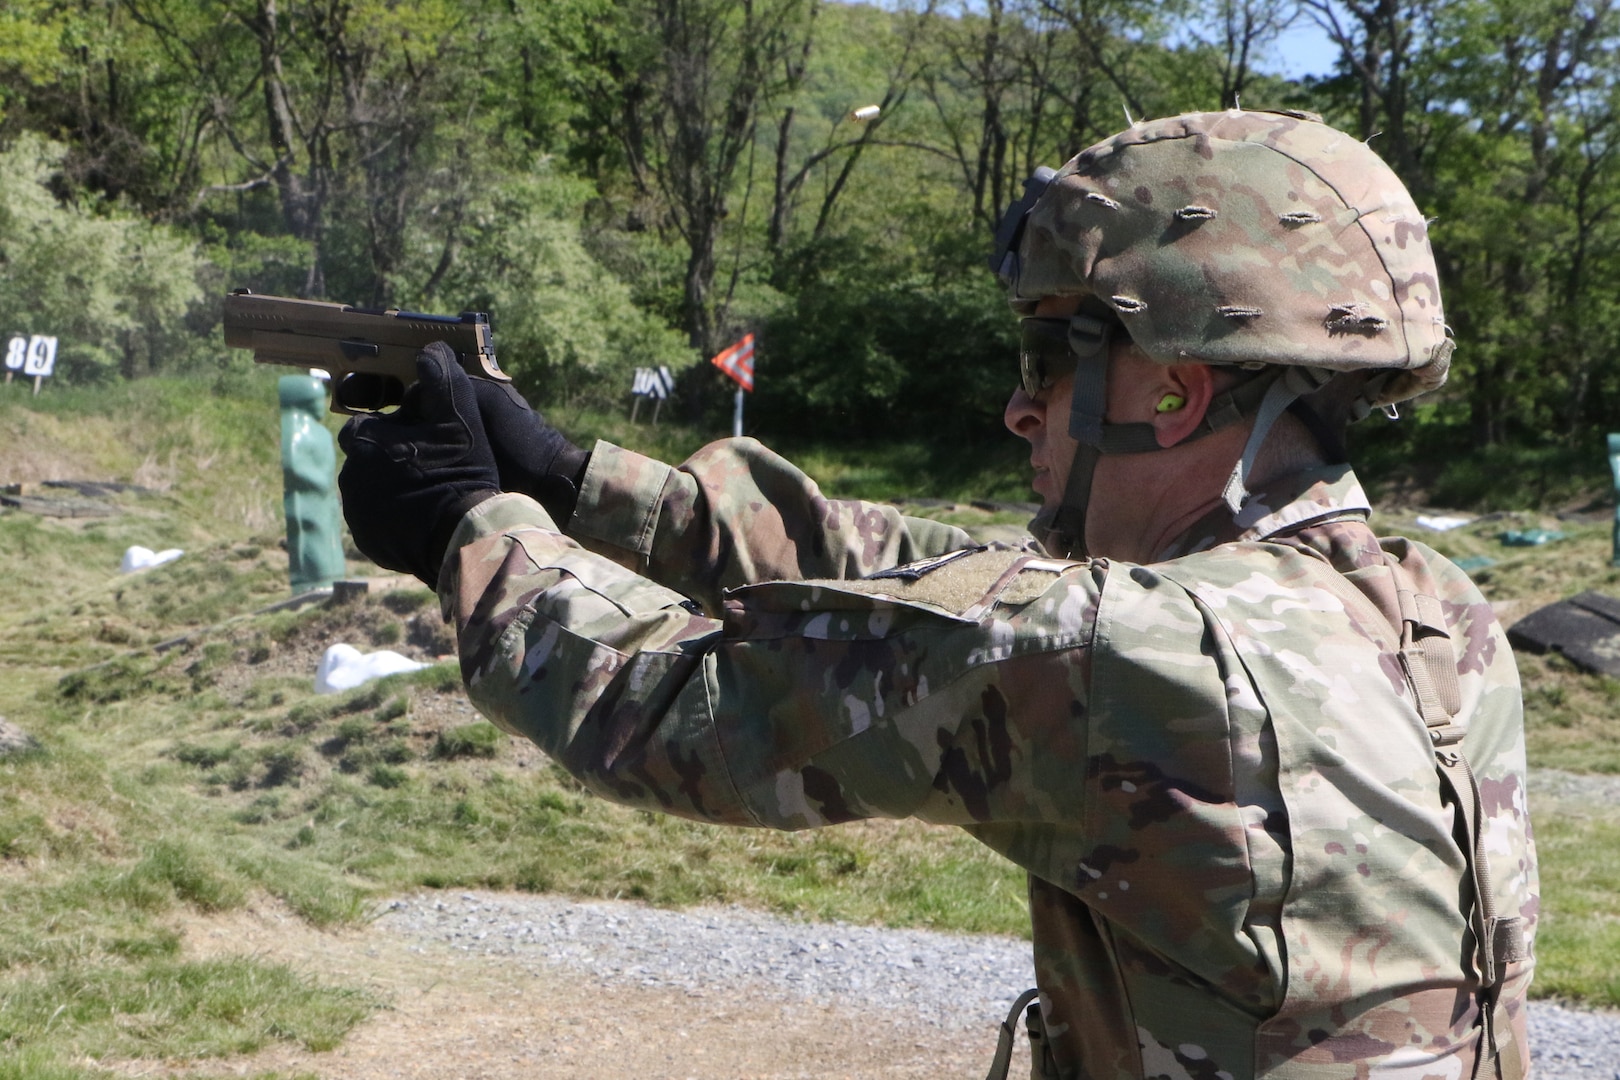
<point>636,727</point>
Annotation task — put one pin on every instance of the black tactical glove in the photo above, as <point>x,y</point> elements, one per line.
<point>533,457</point>
<point>410,476</point>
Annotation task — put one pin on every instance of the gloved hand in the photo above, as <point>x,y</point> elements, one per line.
<point>533,457</point>
<point>410,476</point>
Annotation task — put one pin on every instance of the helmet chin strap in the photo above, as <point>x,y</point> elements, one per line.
<point>1294,384</point>
<point>1064,526</point>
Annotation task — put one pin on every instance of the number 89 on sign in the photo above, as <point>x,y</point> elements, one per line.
<point>33,356</point>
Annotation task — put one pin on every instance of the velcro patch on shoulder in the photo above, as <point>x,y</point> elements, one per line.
<point>966,582</point>
<point>1031,580</point>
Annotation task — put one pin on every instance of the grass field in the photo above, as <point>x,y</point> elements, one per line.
<point>197,777</point>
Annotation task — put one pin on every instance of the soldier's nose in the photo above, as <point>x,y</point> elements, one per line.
<point>1023,415</point>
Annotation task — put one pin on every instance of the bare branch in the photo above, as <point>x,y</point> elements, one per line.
<point>247,185</point>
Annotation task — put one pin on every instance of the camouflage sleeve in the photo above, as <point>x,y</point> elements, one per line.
<point>806,704</point>
<point>736,513</point>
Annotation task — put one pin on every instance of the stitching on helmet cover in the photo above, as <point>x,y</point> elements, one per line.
<point>1195,213</point>
<point>1238,311</point>
<point>1128,305</point>
<point>1101,200</point>
<point>1299,217</point>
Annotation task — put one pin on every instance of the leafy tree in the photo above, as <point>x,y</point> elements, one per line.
<point>1240,31</point>
<point>29,55</point>
<point>340,111</point>
<point>598,172</point>
<point>821,105</point>
<point>566,328</point>
<point>1381,45</point>
<point>883,342</point>
<point>683,85</point>
<point>111,287</point>
<point>1500,117</point>
<point>542,75</point>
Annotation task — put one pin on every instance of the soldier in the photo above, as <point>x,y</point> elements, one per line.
<point>1265,771</point>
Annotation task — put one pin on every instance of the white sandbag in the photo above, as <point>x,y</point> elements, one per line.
<point>1442,523</point>
<point>140,558</point>
<point>345,667</point>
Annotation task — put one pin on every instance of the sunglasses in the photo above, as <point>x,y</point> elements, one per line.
<point>1043,351</point>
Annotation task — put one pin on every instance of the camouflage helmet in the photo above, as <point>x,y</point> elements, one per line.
<point>1244,237</point>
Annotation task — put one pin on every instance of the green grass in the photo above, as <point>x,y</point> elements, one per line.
<point>173,784</point>
<point>469,740</point>
<point>1579,938</point>
<point>168,1009</point>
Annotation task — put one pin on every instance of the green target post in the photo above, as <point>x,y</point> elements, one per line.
<point>309,476</point>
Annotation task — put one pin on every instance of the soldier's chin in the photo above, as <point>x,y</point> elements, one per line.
<point>1042,484</point>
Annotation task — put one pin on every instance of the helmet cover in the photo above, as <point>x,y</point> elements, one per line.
<point>1247,238</point>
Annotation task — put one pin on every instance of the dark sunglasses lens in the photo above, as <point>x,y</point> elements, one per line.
<point>1044,347</point>
<point>1031,371</point>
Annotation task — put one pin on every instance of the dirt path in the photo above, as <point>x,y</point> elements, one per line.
<point>468,1016</point>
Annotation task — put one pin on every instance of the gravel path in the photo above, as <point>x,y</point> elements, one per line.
<point>1560,786</point>
<point>947,981</point>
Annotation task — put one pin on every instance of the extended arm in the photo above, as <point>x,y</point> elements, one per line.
<point>806,703</point>
<point>734,514</point>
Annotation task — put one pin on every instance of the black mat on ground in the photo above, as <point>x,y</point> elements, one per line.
<point>1585,628</point>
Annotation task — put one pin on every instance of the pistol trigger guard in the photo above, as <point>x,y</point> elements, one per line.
<point>366,392</point>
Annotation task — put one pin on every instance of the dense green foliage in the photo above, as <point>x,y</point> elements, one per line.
<point>113,287</point>
<point>635,183</point>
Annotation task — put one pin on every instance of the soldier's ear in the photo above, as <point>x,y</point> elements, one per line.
<point>1183,396</point>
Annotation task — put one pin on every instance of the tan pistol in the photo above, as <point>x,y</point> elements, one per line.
<point>370,353</point>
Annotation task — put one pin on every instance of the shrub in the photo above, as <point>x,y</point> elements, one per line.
<point>113,289</point>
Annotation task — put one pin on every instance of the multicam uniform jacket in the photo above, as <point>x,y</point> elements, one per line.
<point>1240,859</point>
